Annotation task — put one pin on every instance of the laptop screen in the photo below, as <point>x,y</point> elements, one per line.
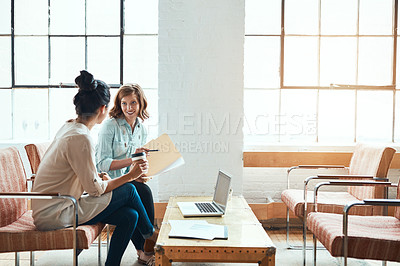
<point>222,189</point>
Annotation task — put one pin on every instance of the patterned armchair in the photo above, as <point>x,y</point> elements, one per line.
<point>362,237</point>
<point>17,230</point>
<point>368,162</point>
<point>35,154</point>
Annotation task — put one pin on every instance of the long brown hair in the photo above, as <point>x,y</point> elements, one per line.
<point>125,90</point>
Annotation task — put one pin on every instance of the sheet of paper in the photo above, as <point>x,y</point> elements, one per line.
<point>166,158</point>
<point>196,229</point>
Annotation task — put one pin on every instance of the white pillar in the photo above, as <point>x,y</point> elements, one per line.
<point>201,92</point>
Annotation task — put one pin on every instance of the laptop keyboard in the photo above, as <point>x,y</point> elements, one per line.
<point>205,207</point>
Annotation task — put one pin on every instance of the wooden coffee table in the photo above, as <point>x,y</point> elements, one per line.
<point>247,240</point>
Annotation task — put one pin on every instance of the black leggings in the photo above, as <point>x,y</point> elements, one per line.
<point>146,196</point>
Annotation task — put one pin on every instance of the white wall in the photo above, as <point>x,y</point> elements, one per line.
<point>201,92</point>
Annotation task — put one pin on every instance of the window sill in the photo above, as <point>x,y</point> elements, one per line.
<point>280,155</point>
<point>273,147</point>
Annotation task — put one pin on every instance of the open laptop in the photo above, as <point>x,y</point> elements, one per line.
<point>216,207</point>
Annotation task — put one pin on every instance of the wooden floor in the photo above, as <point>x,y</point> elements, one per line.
<point>284,256</point>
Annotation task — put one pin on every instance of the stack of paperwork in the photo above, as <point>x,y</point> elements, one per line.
<point>166,157</point>
<point>200,229</point>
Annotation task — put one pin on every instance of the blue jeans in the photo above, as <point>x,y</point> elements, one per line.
<point>146,196</point>
<point>127,213</point>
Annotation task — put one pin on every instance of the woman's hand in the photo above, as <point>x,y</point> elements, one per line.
<point>104,176</point>
<point>138,169</point>
<point>143,179</point>
<point>142,149</point>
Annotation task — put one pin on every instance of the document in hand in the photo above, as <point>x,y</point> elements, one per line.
<point>166,157</point>
<point>200,229</point>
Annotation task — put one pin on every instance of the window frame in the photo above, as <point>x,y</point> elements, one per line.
<point>51,85</point>
<point>282,145</point>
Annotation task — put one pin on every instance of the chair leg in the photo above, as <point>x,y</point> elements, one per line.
<point>16,259</point>
<point>75,255</point>
<point>32,258</point>
<point>287,227</point>
<point>292,245</point>
<point>75,258</point>
<point>314,250</point>
<point>99,249</point>
<point>305,237</point>
<point>108,237</point>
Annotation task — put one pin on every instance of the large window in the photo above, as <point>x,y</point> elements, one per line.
<point>321,71</point>
<point>45,43</point>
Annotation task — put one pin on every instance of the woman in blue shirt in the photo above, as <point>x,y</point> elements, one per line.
<point>120,137</point>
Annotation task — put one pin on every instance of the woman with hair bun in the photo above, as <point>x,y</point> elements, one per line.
<point>69,168</point>
<point>121,136</point>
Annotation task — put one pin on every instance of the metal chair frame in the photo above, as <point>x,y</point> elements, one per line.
<point>367,202</point>
<point>32,195</point>
<point>32,179</point>
<point>304,247</point>
<point>306,181</point>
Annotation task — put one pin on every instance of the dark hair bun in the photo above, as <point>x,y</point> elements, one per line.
<point>85,81</point>
<point>92,94</point>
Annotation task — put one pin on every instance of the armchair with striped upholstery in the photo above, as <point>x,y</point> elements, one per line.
<point>35,154</point>
<point>355,236</point>
<point>17,230</point>
<point>367,162</point>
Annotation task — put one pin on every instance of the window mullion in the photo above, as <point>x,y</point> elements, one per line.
<point>357,60</point>
<point>86,40</point>
<point>394,66</point>
<point>48,43</point>
<point>12,44</point>
<point>319,72</point>
<point>281,67</point>
<point>121,48</point>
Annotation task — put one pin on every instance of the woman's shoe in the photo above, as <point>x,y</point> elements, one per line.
<point>150,242</point>
<point>146,259</point>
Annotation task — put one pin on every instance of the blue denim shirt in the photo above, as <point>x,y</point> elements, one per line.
<point>116,141</point>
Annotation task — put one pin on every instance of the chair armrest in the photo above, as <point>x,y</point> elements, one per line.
<point>382,202</point>
<point>372,202</point>
<point>357,183</point>
<point>37,195</point>
<point>308,179</point>
<point>28,195</point>
<point>311,166</point>
<point>381,181</point>
<point>344,176</point>
<point>320,166</point>
<point>349,183</point>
